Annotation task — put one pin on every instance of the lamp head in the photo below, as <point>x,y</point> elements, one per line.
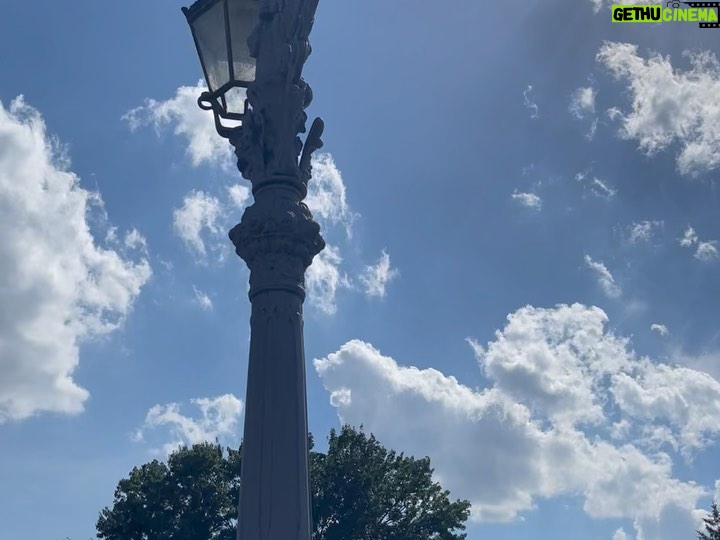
<point>221,29</point>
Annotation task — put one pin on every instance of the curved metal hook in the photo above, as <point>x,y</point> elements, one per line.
<point>208,102</point>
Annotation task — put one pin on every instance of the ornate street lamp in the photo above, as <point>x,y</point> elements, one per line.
<point>252,54</point>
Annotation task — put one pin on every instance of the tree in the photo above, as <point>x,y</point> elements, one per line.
<point>712,525</point>
<point>191,496</point>
<point>360,491</point>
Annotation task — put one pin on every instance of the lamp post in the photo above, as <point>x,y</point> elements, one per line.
<point>252,54</point>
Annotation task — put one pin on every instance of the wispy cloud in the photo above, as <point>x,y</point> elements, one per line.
<point>705,250</point>
<point>327,195</point>
<point>529,102</point>
<point>202,299</point>
<point>529,200</point>
<point>196,126</point>
<point>582,102</point>
<point>689,237</point>
<point>135,241</point>
<point>596,186</point>
<point>605,278</point>
<point>200,213</point>
<point>376,277</point>
<point>601,189</point>
<point>218,419</point>
<point>660,329</point>
<point>324,279</point>
<point>643,231</point>
<point>582,106</point>
<point>239,195</point>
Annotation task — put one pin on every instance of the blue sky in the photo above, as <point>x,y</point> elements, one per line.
<point>521,206</point>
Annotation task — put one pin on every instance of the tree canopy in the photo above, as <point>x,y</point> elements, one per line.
<point>360,491</point>
<point>712,525</point>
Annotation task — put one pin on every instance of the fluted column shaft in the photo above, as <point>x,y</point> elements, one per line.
<point>275,492</point>
<point>277,238</point>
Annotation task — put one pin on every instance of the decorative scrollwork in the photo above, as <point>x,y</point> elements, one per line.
<point>312,142</point>
<point>278,239</point>
<point>267,143</point>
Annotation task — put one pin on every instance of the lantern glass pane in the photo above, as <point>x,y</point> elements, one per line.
<point>209,30</point>
<point>244,17</point>
<point>235,100</point>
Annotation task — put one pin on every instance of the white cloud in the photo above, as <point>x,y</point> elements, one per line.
<point>219,419</point>
<point>192,123</point>
<point>582,102</point>
<point>643,231</point>
<point>529,103</point>
<point>707,360</point>
<point>593,129</point>
<point>601,189</point>
<point>203,220</point>
<point>582,175</point>
<point>680,396</point>
<point>376,277</point>
<point>135,240</point>
<point>323,280</point>
<point>239,195</point>
<point>656,438</point>
<point>545,359</point>
<point>202,299</point>
<point>689,237</point>
<point>605,278</point>
<point>660,329</point>
<point>327,198</point>
<point>596,186</point>
<point>670,105</point>
<point>620,534</point>
<point>199,215</point>
<point>673,522</point>
<point>542,429</point>
<point>529,200</point>
<point>58,285</point>
<point>705,251</point>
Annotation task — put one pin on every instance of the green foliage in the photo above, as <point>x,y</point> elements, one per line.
<point>191,496</point>
<point>712,525</point>
<point>360,491</point>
